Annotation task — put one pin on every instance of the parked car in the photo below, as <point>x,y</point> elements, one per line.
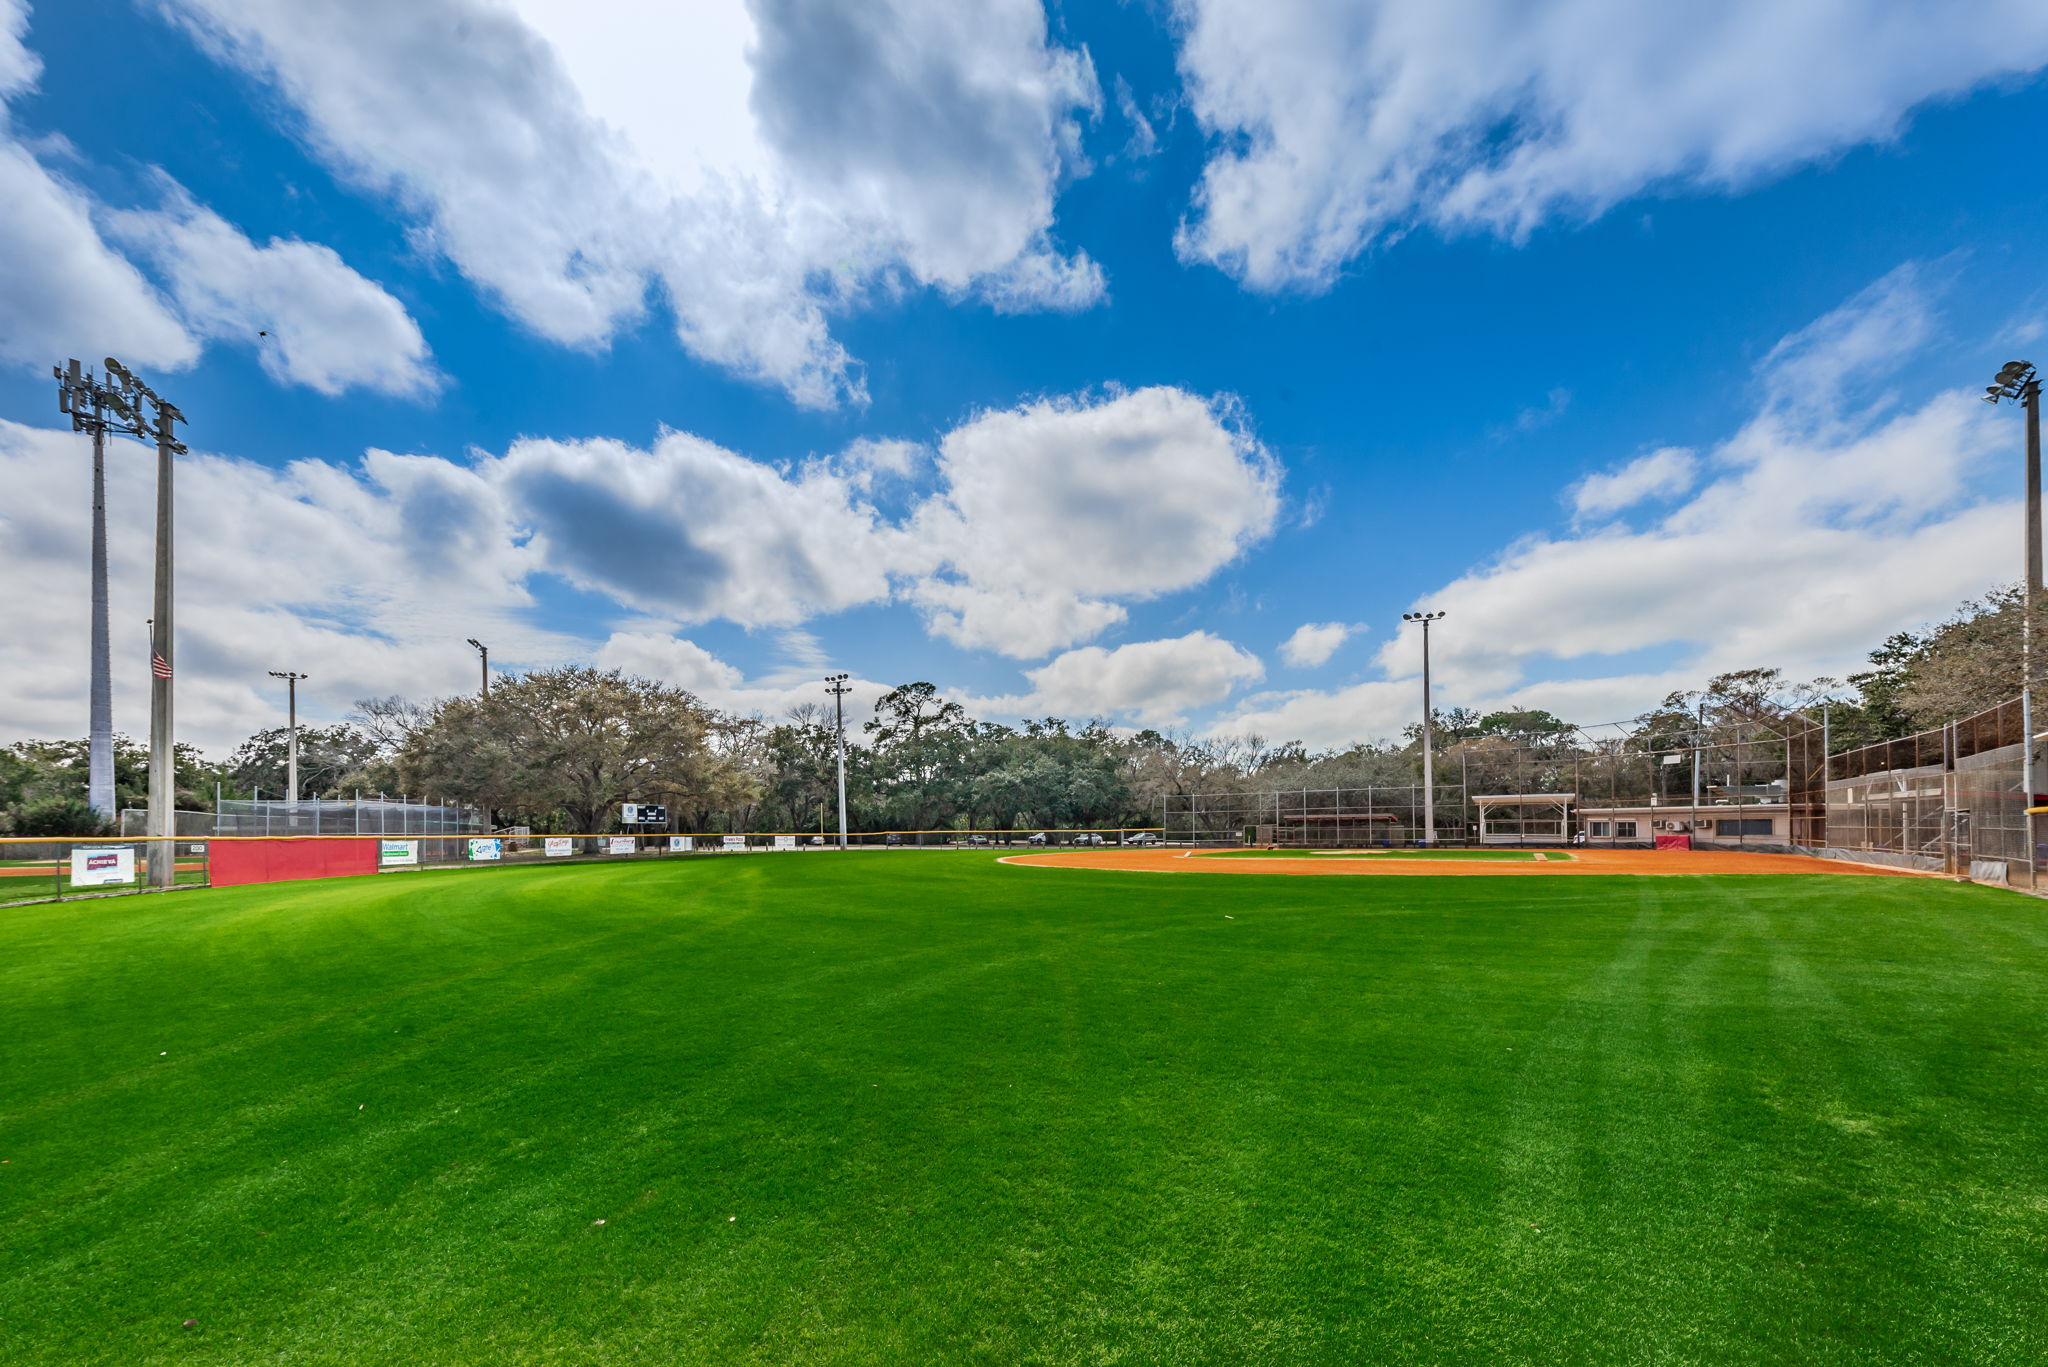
<point>1039,839</point>
<point>1144,838</point>
<point>977,840</point>
<point>892,840</point>
<point>1087,838</point>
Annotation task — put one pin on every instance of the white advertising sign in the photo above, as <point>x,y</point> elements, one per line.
<point>559,845</point>
<point>735,842</point>
<point>619,844</point>
<point>486,847</point>
<point>398,852</point>
<point>785,842</point>
<point>96,865</point>
<point>681,843</point>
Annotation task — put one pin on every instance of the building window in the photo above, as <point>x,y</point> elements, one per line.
<point>1748,825</point>
<point>1596,828</point>
<point>1625,830</point>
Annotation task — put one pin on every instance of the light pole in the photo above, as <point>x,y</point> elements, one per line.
<point>291,762</point>
<point>835,684</point>
<point>484,652</point>
<point>2018,381</point>
<point>1428,732</point>
<point>138,411</point>
<point>84,397</point>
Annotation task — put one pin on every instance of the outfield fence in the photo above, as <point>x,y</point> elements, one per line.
<point>42,869</point>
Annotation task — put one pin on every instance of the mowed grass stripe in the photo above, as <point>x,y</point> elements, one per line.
<point>923,1108</point>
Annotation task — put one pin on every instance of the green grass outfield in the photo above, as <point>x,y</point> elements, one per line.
<point>930,1109</point>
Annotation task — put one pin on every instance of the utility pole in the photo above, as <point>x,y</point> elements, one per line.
<point>835,684</point>
<point>291,762</point>
<point>1428,732</point>
<point>84,397</point>
<point>2019,382</point>
<point>484,652</point>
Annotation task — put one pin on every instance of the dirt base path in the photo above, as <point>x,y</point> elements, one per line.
<point>1579,861</point>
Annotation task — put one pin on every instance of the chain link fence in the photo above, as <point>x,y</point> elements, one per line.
<point>1953,798</point>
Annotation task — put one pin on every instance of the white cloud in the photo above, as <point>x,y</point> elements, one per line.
<point>760,164</point>
<point>366,579</point>
<point>1337,126</point>
<point>1820,528</point>
<point>1052,514</point>
<point>329,328</point>
<point>1044,520</point>
<point>696,532</point>
<point>66,291</point>
<point>1313,643</point>
<point>18,66</point>
<point>370,576</point>
<point>676,660</point>
<point>63,292</point>
<point>670,659</point>
<point>1664,473</point>
<point>1156,683</point>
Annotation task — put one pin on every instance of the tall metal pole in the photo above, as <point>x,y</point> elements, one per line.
<point>82,395</point>
<point>1428,748</point>
<point>2030,399</point>
<point>484,654</point>
<point>99,783</point>
<point>2018,380</point>
<point>1428,732</point>
<point>291,764</point>
<point>163,776</point>
<point>836,686</point>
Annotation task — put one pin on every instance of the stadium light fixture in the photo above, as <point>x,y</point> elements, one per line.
<point>835,684</point>
<point>2018,382</point>
<point>1428,731</point>
<point>291,762</point>
<point>484,652</point>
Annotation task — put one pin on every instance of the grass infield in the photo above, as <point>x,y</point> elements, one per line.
<point>931,1109</point>
<point>1494,856</point>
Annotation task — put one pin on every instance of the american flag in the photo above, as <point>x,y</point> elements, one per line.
<point>158,665</point>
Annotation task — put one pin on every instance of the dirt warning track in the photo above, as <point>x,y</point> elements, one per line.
<point>1581,861</point>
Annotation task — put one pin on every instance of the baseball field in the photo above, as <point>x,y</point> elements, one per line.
<point>932,1107</point>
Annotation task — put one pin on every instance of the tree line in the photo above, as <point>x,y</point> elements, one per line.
<point>560,749</point>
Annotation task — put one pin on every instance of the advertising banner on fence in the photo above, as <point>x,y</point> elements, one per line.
<point>486,847</point>
<point>95,866</point>
<point>735,842</point>
<point>559,845</point>
<point>785,842</point>
<point>397,852</point>
<point>618,844</point>
<point>681,844</point>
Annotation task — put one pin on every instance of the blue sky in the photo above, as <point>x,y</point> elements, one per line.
<point>1075,359</point>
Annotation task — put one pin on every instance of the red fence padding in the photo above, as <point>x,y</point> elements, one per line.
<point>235,862</point>
<point>1674,842</point>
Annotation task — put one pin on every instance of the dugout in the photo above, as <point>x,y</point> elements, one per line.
<point>1335,830</point>
<point>1525,818</point>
